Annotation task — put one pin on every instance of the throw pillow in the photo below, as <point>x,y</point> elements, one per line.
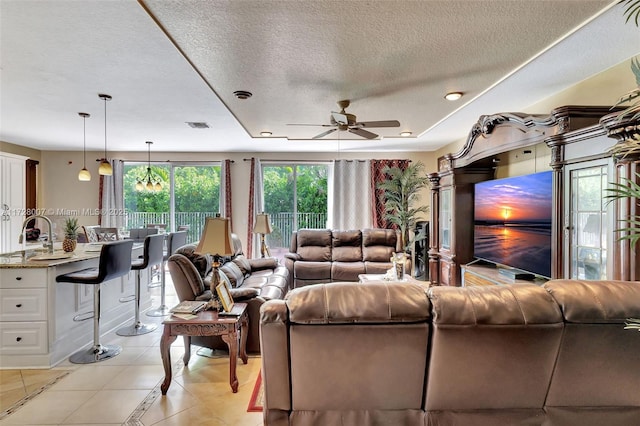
<point>233,272</point>
<point>243,264</point>
<point>264,263</point>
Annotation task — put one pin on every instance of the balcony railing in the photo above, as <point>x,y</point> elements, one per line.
<point>283,223</point>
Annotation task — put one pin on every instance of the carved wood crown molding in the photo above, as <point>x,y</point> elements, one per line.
<point>499,132</point>
<point>621,130</point>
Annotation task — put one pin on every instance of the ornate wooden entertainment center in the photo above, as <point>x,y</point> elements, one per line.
<point>575,142</point>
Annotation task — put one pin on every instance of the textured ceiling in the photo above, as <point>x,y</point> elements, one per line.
<point>169,62</point>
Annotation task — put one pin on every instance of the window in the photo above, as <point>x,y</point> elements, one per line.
<point>295,197</point>
<point>189,193</point>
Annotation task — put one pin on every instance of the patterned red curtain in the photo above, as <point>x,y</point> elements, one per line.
<point>377,203</point>
<point>228,210</point>
<point>251,209</point>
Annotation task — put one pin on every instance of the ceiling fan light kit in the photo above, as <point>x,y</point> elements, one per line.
<point>453,96</point>
<point>346,122</point>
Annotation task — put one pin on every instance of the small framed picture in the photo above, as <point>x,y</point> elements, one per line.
<point>224,279</point>
<point>225,297</point>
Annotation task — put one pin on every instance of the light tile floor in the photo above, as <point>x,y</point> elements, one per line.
<point>125,389</point>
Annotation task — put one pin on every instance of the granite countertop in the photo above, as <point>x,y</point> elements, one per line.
<point>42,259</point>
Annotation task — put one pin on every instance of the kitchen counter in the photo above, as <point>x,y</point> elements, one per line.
<point>42,321</point>
<point>39,258</point>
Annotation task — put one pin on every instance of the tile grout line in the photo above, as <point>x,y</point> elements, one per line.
<point>32,395</point>
<point>141,409</point>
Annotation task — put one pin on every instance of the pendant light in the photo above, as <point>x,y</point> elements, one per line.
<point>84,174</point>
<point>149,185</point>
<point>105,167</point>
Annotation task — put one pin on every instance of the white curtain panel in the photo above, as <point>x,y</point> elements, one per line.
<point>258,204</point>
<point>223,185</point>
<point>112,214</point>
<point>350,205</point>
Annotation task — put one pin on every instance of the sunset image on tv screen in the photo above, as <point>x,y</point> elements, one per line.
<point>512,222</point>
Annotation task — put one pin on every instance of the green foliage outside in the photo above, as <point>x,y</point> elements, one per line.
<point>197,189</point>
<point>311,186</point>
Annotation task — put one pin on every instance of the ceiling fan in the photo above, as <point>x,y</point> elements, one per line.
<point>344,121</point>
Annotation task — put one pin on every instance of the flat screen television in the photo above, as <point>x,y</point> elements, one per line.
<point>512,222</point>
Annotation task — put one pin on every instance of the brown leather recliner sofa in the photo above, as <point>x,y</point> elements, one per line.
<point>389,354</point>
<point>253,281</point>
<point>323,255</point>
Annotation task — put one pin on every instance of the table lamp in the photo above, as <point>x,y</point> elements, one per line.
<point>263,227</point>
<point>216,241</point>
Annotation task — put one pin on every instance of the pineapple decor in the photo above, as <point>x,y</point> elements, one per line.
<point>70,234</point>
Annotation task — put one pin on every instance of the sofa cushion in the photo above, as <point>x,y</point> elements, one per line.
<point>504,338</point>
<point>347,246</point>
<point>312,270</point>
<point>349,302</point>
<point>378,244</point>
<point>314,244</point>
<point>346,271</point>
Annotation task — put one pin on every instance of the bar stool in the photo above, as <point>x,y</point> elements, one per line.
<point>175,240</point>
<point>115,261</point>
<point>152,255</point>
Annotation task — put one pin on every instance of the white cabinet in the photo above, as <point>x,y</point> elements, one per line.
<point>12,200</point>
<point>23,314</point>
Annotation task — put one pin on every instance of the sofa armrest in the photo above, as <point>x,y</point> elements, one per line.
<point>292,256</point>
<point>274,343</point>
<point>186,278</point>
<point>263,263</point>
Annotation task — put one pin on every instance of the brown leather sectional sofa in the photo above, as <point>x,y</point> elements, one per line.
<point>389,354</point>
<point>254,281</point>
<point>323,255</point>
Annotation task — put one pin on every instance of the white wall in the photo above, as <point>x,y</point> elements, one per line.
<point>61,190</point>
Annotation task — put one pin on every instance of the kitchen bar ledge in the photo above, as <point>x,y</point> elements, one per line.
<point>37,327</point>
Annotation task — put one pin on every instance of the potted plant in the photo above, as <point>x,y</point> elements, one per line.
<point>401,191</point>
<point>70,234</point>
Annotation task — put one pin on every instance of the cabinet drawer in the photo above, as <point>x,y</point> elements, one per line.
<point>23,338</point>
<point>23,277</point>
<point>29,304</point>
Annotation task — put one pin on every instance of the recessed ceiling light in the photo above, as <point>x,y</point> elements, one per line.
<point>265,133</point>
<point>453,96</point>
<point>242,94</point>
<point>405,133</point>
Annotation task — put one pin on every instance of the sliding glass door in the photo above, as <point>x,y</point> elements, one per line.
<point>180,196</point>
<point>295,197</point>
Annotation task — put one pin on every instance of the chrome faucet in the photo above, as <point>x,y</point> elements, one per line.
<point>49,243</point>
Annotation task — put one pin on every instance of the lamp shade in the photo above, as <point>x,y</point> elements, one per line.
<point>216,237</point>
<point>263,224</point>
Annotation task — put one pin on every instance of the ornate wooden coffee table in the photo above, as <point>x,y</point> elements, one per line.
<point>208,323</point>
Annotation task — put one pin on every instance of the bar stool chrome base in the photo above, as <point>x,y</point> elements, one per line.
<point>136,329</point>
<point>161,311</point>
<point>95,354</point>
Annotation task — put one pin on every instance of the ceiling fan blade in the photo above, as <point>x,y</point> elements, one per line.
<point>386,123</point>
<point>315,125</point>
<point>341,118</point>
<point>323,134</point>
<point>363,133</point>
